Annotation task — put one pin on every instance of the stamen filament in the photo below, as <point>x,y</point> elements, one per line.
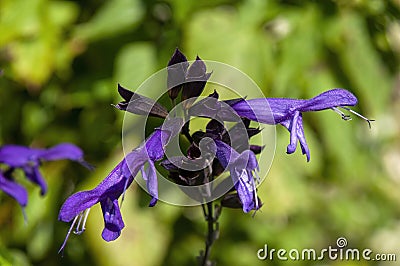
<point>343,115</point>
<point>68,234</point>
<point>123,194</point>
<point>80,229</point>
<point>359,115</point>
<point>256,179</point>
<point>84,220</point>
<point>76,231</point>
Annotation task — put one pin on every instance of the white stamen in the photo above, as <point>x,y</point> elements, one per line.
<point>359,115</point>
<point>68,234</point>
<point>77,231</point>
<point>79,228</point>
<point>83,215</point>
<point>343,115</point>
<point>258,179</point>
<point>255,195</point>
<point>84,220</point>
<point>123,194</point>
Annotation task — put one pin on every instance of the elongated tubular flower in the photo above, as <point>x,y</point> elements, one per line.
<point>241,167</point>
<point>116,183</point>
<point>107,193</point>
<point>29,159</point>
<point>13,189</point>
<point>288,112</point>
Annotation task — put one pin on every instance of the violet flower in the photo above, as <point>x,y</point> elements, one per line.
<point>77,206</point>
<point>241,167</point>
<point>29,159</point>
<point>288,112</point>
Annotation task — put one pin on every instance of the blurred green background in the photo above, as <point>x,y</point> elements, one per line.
<point>62,61</point>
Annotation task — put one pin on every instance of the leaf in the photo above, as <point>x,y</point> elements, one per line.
<point>113,18</point>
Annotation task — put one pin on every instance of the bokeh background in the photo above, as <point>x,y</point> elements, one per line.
<point>61,63</point>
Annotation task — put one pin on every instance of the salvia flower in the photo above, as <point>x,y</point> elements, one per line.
<point>241,167</point>
<point>77,206</point>
<point>107,193</point>
<point>288,112</point>
<point>29,160</point>
<point>209,152</point>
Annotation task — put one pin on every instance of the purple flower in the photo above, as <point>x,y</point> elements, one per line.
<point>76,207</point>
<point>29,159</point>
<point>241,167</point>
<point>13,189</point>
<point>288,112</point>
<point>107,193</point>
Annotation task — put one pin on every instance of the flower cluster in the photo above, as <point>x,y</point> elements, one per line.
<point>28,160</point>
<point>210,153</point>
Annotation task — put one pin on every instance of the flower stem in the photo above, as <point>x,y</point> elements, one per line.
<point>185,128</point>
<point>212,233</point>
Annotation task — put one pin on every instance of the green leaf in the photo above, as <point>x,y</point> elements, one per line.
<point>113,18</point>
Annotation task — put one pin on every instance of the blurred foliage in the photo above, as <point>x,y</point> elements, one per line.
<point>61,63</point>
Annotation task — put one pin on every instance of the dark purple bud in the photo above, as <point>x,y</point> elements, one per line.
<point>234,101</point>
<point>140,105</point>
<point>253,131</point>
<point>256,149</point>
<point>214,95</point>
<point>215,127</point>
<point>232,201</point>
<point>193,152</point>
<point>197,136</point>
<point>217,168</point>
<point>196,79</point>
<point>177,67</point>
<point>207,107</point>
<point>169,166</point>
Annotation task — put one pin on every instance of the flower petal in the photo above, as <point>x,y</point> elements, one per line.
<point>111,187</point>
<point>291,148</point>
<point>302,139</point>
<point>225,153</point>
<point>62,151</point>
<point>113,223</point>
<point>245,188</point>
<point>258,110</point>
<point>13,189</point>
<point>328,99</point>
<point>296,133</point>
<point>18,156</point>
<point>150,175</point>
<point>155,146</point>
<point>77,203</point>
<point>34,175</point>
